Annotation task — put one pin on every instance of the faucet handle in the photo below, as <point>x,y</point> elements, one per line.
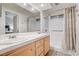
<point>12,36</point>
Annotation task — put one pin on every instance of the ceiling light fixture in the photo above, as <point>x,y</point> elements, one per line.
<point>24,4</point>
<point>42,5</point>
<point>32,9</point>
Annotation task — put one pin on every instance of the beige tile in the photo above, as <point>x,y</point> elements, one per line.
<point>56,53</point>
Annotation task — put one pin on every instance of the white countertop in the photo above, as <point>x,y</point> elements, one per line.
<point>20,41</point>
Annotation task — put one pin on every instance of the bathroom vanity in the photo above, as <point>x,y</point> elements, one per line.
<point>33,46</point>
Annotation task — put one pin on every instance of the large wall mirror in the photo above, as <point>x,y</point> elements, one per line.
<point>0,9</point>
<point>33,24</point>
<point>19,20</point>
<point>12,25</point>
<point>10,22</point>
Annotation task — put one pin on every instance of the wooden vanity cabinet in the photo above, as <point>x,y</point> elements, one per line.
<point>43,46</point>
<point>37,48</point>
<point>46,45</point>
<point>28,50</point>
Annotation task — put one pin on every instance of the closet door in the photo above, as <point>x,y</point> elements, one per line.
<point>57,31</point>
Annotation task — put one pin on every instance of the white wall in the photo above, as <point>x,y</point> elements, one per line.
<point>21,17</point>
<point>46,24</point>
<point>1,26</point>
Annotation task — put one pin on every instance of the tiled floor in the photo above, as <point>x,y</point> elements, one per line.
<point>56,53</point>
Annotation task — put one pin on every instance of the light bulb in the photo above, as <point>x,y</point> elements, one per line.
<point>42,5</point>
<point>24,4</point>
<point>32,8</point>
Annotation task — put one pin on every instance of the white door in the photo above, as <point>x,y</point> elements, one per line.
<point>57,31</point>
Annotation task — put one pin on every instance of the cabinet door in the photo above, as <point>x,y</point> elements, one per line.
<point>41,54</point>
<point>28,50</point>
<point>39,51</point>
<point>46,45</point>
<point>39,47</point>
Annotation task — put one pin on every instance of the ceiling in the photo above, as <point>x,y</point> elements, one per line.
<point>36,7</point>
<point>42,6</point>
<point>28,7</point>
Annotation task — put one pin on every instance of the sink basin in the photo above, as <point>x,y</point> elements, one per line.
<point>13,41</point>
<point>6,43</point>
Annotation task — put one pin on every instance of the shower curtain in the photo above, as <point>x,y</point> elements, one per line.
<point>70,28</point>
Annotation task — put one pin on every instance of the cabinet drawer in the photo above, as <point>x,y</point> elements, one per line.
<point>42,54</point>
<point>38,48</point>
<point>28,50</point>
<point>39,43</point>
<point>39,51</point>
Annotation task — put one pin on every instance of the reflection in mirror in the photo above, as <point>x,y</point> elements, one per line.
<point>0,18</point>
<point>0,9</point>
<point>10,22</point>
<point>33,23</point>
<point>19,20</point>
